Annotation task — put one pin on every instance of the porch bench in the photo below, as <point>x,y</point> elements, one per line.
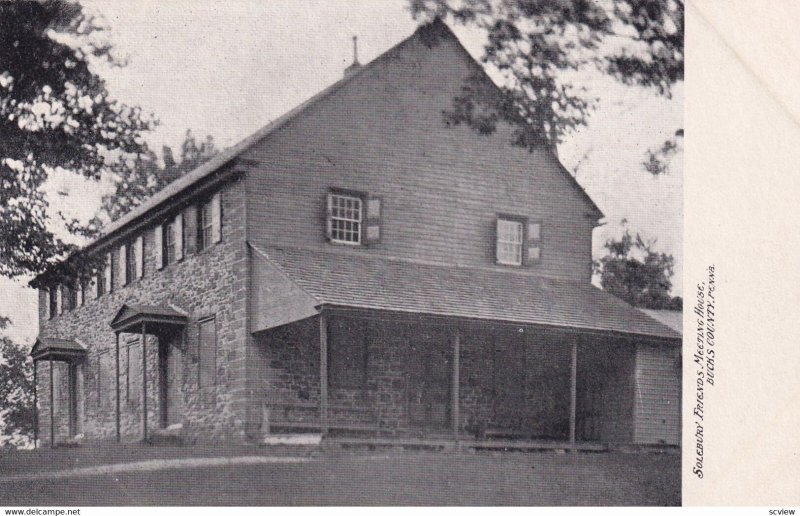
<point>280,417</point>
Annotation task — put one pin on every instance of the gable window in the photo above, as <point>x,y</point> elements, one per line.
<point>344,218</point>
<point>509,241</point>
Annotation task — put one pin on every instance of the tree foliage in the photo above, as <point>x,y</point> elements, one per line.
<point>534,44</point>
<point>16,394</point>
<point>635,273</point>
<point>55,115</point>
<point>144,175</point>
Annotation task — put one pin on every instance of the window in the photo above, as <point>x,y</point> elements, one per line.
<point>344,218</point>
<point>209,222</point>
<point>53,302</point>
<point>85,285</point>
<point>171,243</point>
<point>204,237</point>
<point>509,241</point>
<point>207,341</point>
<point>130,263</point>
<point>347,353</point>
<point>108,274</point>
<point>70,297</point>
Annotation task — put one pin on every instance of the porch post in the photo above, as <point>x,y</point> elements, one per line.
<point>116,335</point>
<point>573,390</point>
<point>35,407</point>
<point>144,381</point>
<point>52,409</point>
<point>456,381</point>
<point>323,373</point>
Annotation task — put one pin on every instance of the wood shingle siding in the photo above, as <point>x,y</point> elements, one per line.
<point>657,418</point>
<point>383,133</point>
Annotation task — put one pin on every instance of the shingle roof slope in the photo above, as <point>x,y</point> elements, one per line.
<point>350,279</point>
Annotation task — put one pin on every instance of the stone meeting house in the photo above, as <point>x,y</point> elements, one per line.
<point>358,269</point>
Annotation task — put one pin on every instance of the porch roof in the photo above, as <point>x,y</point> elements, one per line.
<point>46,348</point>
<point>131,316</point>
<point>349,279</point>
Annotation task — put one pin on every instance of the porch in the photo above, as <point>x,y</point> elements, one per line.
<point>428,381</point>
<point>352,345</point>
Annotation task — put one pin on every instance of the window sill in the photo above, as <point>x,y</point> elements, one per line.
<point>504,264</point>
<point>208,249</point>
<point>347,244</point>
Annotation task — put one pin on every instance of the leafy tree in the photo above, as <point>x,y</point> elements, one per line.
<point>16,393</point>
<point>635,273</point>
<point>55,114</point>
<point>537,45</point>
<point>145,176</point>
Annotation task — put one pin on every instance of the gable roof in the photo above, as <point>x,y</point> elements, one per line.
<point>357,280</point>
<point>131,316</point>
<point>57,349</point>
<point>425,34</point>
<point>671,318</point>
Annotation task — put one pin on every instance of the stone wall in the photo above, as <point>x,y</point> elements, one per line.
<point>209,283</point>
<point>540,408</point>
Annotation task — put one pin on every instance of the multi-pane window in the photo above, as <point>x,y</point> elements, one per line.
<point>509,241</point>
<point>170,243</point>
<point>130,263</point>
<point>108,276</point>
<point>70,297</point>
<point>345,218</point>
<point>205,226</point>
<point>53,302</point>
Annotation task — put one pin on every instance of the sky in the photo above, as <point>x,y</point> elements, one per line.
<point>227,69</point>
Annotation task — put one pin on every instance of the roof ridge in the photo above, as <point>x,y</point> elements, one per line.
<point>231,153</point>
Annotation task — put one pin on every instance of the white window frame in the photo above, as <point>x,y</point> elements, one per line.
<point>206,225</point>
<point>510,241</point>
<point>131,273</point>
<point>170,243</point>
<point>108,275</point>
<point>336,217</point>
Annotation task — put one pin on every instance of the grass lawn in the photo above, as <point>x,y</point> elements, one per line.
<point>355,477</point>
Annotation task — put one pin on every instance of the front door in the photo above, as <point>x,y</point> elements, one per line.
<point>169,368</point>
<point>429,375</point>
